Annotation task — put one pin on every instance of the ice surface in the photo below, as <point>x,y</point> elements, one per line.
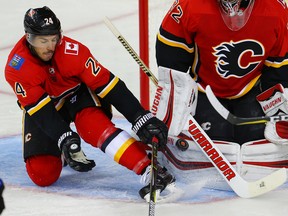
<point>109,189</point>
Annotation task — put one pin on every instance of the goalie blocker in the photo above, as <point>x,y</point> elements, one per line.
<point>175,99</point>
<point>274,101</point>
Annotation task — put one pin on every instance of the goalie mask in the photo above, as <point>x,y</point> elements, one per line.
<point>235,13</point>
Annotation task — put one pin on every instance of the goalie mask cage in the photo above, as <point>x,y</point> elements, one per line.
<point>151,13</point>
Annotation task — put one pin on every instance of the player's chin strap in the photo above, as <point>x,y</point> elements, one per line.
<point>241,187</point>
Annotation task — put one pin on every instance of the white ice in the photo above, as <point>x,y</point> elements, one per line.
<point>109,189</point>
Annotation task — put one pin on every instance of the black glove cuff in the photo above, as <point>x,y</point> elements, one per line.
<point>69,138</point>
<point>141,120</point>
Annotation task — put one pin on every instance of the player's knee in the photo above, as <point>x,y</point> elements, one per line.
<point>44,170</point>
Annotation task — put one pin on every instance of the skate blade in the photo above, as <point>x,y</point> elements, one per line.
<point>168,195</point>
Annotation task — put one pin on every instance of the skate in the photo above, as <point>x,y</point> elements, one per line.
<point>165,181</point>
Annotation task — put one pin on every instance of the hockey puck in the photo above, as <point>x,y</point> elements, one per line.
<point>182,144</point>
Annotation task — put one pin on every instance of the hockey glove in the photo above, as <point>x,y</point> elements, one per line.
<point>274,101</point>
<point>69,144</point>
<point>147,126</point>
<point>2,205</point>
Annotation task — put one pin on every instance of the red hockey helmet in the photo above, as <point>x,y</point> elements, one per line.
<point>235,13</point>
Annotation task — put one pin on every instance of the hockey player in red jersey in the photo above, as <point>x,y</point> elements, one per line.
<point>58,81</point>
<point>240,49</point>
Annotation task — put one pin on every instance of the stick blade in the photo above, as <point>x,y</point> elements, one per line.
<point>264,185</point>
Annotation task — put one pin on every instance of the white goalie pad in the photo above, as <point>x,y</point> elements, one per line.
<point>175,99</point>
<point>191,165</point>
<point>253,160</point>
<point>261,157</point>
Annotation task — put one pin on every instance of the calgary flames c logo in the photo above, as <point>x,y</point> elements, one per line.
<point>237,59</point>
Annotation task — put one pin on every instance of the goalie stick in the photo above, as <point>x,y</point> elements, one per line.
<point>235,120</point>
<point>240,186</point>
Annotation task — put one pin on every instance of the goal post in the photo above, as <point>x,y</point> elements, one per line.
<point>150,14</point>
<point>144,52</point>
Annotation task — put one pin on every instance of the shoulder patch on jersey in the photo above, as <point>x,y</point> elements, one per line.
<point>71,48</point>
<point>16,62</point>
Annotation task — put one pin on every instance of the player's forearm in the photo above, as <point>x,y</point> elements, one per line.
<point>124,101</point>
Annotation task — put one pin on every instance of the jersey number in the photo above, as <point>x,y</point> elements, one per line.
<point>19,89</point>
<point>177,14</point>
<point>48,21</point>
<point>94,67</point>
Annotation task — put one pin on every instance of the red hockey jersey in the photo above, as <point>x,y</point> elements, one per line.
<point>71,65</point>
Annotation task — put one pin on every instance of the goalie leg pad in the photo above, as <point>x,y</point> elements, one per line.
<point>264,153</point>
<point>262,157</point>
<point>44,170</point>
<point>193,166</point>
<point>175,98</point>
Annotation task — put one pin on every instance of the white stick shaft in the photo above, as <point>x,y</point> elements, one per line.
<point>130,50</point>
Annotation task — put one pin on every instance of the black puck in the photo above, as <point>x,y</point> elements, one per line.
<point>182,144</point>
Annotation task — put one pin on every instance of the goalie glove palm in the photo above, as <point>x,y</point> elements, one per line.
<point>73,154</point>
<point>147,126</point>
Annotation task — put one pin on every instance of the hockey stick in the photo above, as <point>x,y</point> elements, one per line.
<point>235,120</point>
<point>153,195</point>
<point>130,50</point>
<point>241,187</point>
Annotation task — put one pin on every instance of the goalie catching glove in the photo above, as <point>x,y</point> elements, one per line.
<point>274,101</point>
<point>147,126</point>
<point>69,144</point>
